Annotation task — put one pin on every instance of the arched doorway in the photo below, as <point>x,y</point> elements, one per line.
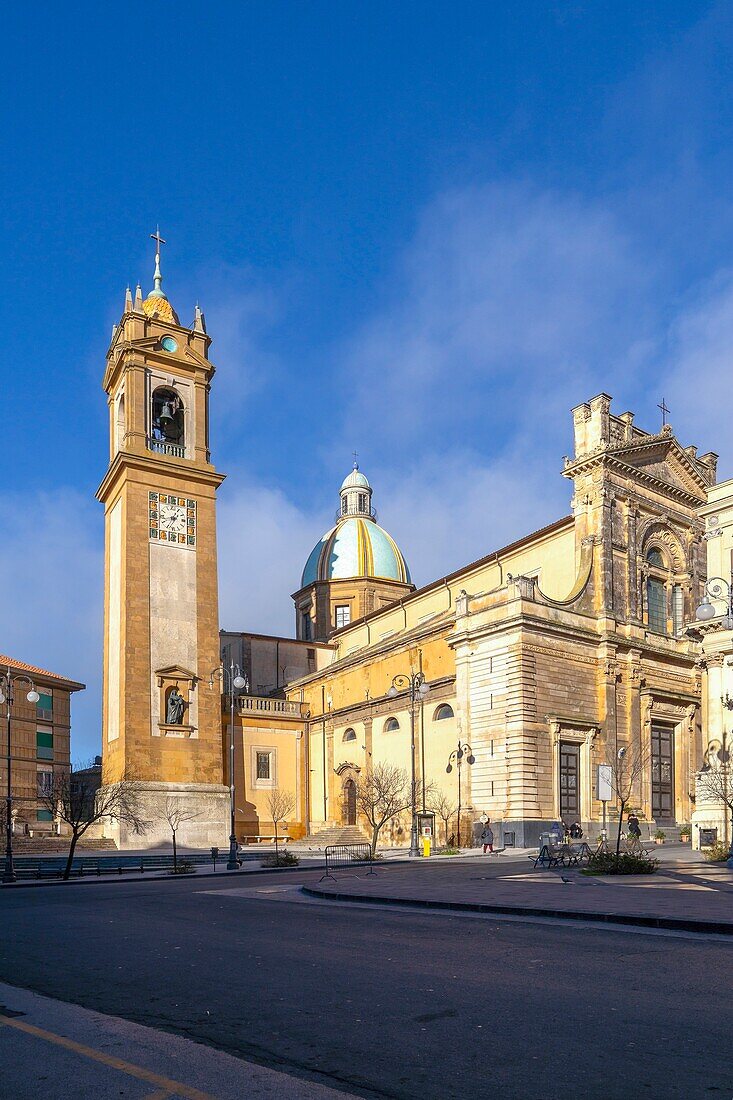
<point>349,804</point>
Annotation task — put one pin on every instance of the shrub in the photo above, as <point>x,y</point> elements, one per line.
<point>717,853</point>
<point>283,859</point>
<point>685,832</point>
<point>448,851</point>
<point>608,863</point>
<point>184,867</point>
<point>659,834</point>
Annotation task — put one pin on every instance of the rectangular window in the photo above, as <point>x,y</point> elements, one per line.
<point>263,765</point>
<point>678,608</point>
<point>662,772</point>
<point>44,745</point>
<point>362,502</point>
<point>306,621</point>
<point>343,615</point>
<point>44,783</point>
<point>44,708</point>
<point>657,603</point>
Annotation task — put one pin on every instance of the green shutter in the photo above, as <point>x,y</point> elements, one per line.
<point>44,740</point>
<point>44,815</point>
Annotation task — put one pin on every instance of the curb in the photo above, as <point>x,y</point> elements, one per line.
<point>105,880</point>
<point>677,924</point>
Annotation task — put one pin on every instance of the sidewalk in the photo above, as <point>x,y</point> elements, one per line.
<point>682,895</point>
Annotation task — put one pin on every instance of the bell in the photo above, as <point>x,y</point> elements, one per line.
<point>166,414</point>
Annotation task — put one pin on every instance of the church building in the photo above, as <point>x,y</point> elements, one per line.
<point>544,657</point>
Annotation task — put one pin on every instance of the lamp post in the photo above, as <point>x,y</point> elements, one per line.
<point>231,676</point>
<point>721,590</point>
<point>417,688</point>
<point>462,749</point>
<point>6,696</point>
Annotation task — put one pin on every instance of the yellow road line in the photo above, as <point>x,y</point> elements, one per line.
<point>166,1086</point>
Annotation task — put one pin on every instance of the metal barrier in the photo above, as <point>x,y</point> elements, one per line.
<point>341,856</point>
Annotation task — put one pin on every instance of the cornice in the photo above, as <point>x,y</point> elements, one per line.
<point>160,465</point>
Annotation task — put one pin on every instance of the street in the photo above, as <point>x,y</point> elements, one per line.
<point>377,1002</point>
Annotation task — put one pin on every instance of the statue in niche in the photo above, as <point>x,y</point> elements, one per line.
<point>175,709</point>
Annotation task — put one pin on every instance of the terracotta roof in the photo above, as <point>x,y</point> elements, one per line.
<point>23,667</point>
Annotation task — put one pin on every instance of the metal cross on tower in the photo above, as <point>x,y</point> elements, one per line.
<point>356,459</point>
<point>158,239</point>
<point>664,410</point>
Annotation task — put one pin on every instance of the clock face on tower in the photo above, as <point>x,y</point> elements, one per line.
<point>172,519</point>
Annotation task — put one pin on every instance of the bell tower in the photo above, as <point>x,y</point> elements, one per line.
<point>162,719</point>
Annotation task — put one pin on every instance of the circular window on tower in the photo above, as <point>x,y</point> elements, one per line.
<point>169,344</point>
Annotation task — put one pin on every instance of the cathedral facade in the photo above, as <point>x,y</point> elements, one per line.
<point>545,657</point>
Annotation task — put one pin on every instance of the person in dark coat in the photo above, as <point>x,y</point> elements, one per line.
<point>633,825</point>
<point>487,836</point>
<point>576,831</point>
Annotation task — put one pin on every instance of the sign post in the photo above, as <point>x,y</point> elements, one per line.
<point>604,791</point>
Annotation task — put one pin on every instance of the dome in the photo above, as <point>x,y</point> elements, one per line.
<point>355,547</point>
<point>355,480</point>
<point>156,304</point>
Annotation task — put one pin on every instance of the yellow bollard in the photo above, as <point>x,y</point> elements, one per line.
<point>426,846</point>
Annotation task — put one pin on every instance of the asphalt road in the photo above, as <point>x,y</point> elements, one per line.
<point>379,1002</point>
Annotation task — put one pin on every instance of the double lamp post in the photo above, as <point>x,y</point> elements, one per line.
<point>233,683</point>
<point>417,688</point>
<point>7,682</point>
<point>721,590</point>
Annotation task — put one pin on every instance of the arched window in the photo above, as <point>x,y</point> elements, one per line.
<point>349,735</point>
<point>391,725</point>
<point>443,711</point>
<point>656,591</point>
<point>166,423</point>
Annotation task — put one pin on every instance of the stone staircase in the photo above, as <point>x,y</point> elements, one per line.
<point>334,834</point>
<point>37,845</point>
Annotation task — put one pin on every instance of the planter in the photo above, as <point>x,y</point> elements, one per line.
<point>659,839</point>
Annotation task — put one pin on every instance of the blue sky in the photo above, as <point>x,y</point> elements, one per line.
<point>424,231</point>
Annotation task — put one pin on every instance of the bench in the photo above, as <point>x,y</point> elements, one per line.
<point>257,838</point>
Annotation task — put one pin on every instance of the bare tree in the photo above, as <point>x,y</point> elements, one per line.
<point>382,793</point>
<point>78,800</point>
<point>281,805</point>
<point>627,768</point>
<point>444,807</point>
<point>176,814</point>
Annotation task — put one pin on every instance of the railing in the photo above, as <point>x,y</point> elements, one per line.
<point>162,447</point>
<point>370,513</point>
<point>263,705</point>
<point>339,857</point>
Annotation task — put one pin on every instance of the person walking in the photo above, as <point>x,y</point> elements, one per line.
<point>487,836</point>
<point>633,825</point>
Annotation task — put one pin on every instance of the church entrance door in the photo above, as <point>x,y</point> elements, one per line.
<point>349,812</point>
<point>569,782</point>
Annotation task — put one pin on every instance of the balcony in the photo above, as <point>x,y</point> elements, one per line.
<point>163,447</point>
<point>263,704</point>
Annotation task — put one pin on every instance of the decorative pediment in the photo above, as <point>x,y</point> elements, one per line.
<point>176,673</point>
<point>346,767</point>
<point>664,460</point>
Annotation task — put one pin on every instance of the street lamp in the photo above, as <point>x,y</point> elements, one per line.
<point>463,749</point>
<point>721,590</point>
<point>237,682</point>
<point>6,696</point>
<point>415,684</point>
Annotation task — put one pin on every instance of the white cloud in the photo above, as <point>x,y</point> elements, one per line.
<point>51,560</point>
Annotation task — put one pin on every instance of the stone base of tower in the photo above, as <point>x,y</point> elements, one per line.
<point>209,828</point>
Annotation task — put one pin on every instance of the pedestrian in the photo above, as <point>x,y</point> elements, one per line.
<point>576,831</point>
<point>487,836</point>
<point>633,824</point>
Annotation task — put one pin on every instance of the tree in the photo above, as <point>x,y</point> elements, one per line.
<point>444,807</point>
<point>78,800</point>
<point>382,793</point>
<point>281,805</point>
<point>176,814</point>
<point>627,768</point>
